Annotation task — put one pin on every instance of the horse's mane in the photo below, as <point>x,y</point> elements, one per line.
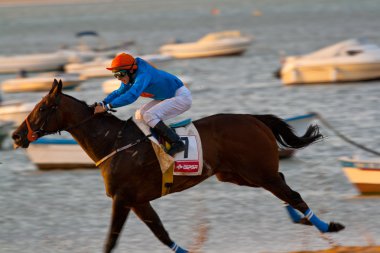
<point>77,100</point>
<point>106,116</point>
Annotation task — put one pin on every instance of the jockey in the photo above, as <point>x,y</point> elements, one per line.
<point>138,78</point>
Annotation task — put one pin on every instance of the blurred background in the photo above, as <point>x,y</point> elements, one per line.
<point>68,211</point>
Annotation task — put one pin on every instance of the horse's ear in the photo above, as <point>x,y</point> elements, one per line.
<point>56,87</point>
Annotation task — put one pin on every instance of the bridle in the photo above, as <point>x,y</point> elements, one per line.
<point>33,135</point>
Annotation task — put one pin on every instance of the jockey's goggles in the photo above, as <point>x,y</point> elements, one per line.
<point>120,74</point>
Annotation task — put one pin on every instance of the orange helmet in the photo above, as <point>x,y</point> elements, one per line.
<point>123,61</point>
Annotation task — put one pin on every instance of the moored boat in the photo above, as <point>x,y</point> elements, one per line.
<point>363,173</point>
<point>347,61</point>
<point>39,83</point>
<point>58,153</point>
<point>212,44</point>
<point>15,111</point>
<point>37,62</point>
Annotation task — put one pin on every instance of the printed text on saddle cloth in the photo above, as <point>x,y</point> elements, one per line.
<point>188,162</point>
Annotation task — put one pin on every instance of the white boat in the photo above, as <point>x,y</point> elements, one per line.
<point>39,83</point>
<point>5,128</point>
<point>299,123</point>
<point>364,173</point>
<point>15,111</point>
<point>85,50</point>
<point>347,61</point>
<point>37,62</point>
<point>97,67</point>
<point>113,84</point>
<point>213,44</point>
<point>58,153</point>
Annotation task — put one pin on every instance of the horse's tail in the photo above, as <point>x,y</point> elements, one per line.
<point>285,135</point>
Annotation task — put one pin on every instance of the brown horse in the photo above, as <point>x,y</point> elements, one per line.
<point>237,148</point>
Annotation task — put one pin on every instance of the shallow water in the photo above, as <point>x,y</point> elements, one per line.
<point>65,211</point>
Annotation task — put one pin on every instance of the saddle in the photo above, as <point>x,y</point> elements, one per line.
<point>187,163</point>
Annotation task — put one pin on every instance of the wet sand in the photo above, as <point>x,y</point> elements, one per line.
<point>342,249</point>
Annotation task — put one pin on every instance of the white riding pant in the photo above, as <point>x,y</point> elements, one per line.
<point>157,110</point>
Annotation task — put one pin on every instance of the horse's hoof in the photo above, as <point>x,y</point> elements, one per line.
<point>335,227</point>
<point>305,221</point>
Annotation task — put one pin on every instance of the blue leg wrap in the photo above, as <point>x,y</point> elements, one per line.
<point>321,225</point>
<point>296,217</point>
<point>177,249</point>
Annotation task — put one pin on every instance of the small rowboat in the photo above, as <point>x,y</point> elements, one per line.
<point>364,173</point>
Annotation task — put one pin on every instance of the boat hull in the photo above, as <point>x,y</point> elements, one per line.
<point>364,174</point>
<point>365,180</point>
<point>36,84</point>
<point>211,45</point>
<point>331,73</point>
<point>59,156</point>
<point>34,62</point>
<point>15,111</point>
<point>206,50</point>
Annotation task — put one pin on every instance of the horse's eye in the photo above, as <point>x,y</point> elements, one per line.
<point>42,108</point>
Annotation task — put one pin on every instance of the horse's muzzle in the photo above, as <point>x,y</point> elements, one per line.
<point>20,140</point>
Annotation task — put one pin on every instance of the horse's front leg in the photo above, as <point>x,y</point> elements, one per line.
<point>119,215</point>
<point>147,214</point>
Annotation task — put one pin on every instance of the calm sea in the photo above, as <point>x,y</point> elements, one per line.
<point>69,212</point>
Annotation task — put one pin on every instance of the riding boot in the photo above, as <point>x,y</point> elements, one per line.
<point>169,135</point>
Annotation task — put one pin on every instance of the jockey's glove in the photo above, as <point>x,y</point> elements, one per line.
<point>96,104</point>
<point>107,107</point>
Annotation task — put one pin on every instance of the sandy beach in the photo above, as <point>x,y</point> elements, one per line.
<point>341,249</point>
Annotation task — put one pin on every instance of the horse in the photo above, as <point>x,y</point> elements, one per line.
<point>237,148</point>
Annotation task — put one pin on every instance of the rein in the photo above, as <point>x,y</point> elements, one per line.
<point>117,151</point>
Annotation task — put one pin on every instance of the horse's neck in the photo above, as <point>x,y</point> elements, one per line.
<point>96,136</point>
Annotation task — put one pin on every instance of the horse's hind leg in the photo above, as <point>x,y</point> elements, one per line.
<point>147,214</point>
<point>294,215</point>
<point>281,190</point>
<point>119,216</point>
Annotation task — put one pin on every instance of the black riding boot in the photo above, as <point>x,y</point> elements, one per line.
<point>169,135</point>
